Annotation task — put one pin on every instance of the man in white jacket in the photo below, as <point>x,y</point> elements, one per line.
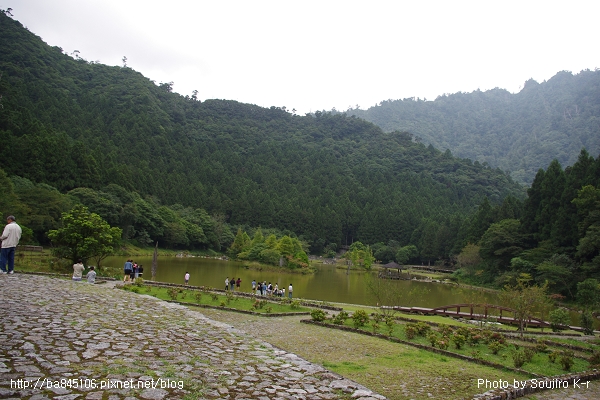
<point>10,239</point>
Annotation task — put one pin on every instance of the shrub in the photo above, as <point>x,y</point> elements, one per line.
<point>559,319</point>
<point>214,296</point>
<point>198,297</point>
<point>443,343</point>
<point>410,331</point>
<point>173,293</point>
<point>295,304</point>
<point>318,315</point>
<point>566,360</point>
<point>446,330</point>
<point>360,318</point>
<point>390,323</point>
<point>139,282</point>
<point>433,338</point>
<point>222,304</point>
<point>476,354</point>
<point>375,326</point>
<point>495,346</point>
<point>540,346</point>
<point>528,352</point>
<point>594,360</point>
<point>341,318</point>
<point>552,356</point>
<point>459,340</point>
<point>268,309</point>
<point>422,328</point>
<point>519,358</point>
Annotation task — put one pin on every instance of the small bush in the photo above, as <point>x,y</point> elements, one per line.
<point>443,343</point>
<point>566,360</point>
<point>553,356</point>
<point>433,338</point>
<point>594,360</point>
<point>528,352</point>
<point>410,331</point>
<point>390,324</point>
<point>268,309</point>
<point>214,296</point>
<point>495,346</point>
<point>519,358</point>
<point>173,293</point>
<point>222,304</point>
<point>446,330</point>
<point>318,315</point>
<point>360,318</point>
<point>375,326</point>
<point>459,340</point>
<point>340,319</point>
<point>198,297</point>
<point>295,304</point>
<point>540,346</point>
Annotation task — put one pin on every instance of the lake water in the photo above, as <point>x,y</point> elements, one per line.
<point>327,284</point>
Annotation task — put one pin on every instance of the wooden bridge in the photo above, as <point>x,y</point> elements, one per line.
<point>454,310</point>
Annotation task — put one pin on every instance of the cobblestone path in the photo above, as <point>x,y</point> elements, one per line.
<point>71,340</point>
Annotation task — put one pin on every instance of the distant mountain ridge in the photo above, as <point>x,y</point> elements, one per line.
<point>519,133</point>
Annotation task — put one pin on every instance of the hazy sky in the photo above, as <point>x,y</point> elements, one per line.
<point>315,55</point>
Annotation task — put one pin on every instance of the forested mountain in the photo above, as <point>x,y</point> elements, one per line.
<point>519,133</point>
<point>125,147</point>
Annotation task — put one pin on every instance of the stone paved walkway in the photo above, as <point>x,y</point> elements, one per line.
<point>71,340</point>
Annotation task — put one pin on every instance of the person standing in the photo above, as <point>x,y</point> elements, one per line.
<point>127,270</point>
<point>10,239</point>
<point>186,278</point>
<point>227,283</point>
<point>290,290</point>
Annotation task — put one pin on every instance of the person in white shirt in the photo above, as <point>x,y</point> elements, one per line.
<point>10,239</point>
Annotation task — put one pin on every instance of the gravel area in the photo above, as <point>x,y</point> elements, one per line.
<point>73,340</point>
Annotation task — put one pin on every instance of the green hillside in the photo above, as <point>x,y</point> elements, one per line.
<point>519,133</point>
<point>330,179</point>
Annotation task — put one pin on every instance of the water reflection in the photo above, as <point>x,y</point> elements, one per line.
<point>328,284</point>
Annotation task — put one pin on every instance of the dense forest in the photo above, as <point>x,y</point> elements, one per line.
<point>519,133</point>
<point>552,237</point>
<point>166,167</point>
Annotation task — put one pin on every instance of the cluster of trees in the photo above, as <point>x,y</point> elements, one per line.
<point>145,220</point>
<point>286,250</point>
<point>552,237</point>
<point>520,132</point>
<point>165,167</point>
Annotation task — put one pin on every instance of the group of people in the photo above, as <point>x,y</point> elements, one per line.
<point>78,270</point>
<point>269,290</point>
<point>233,283</point>
<point>132,271</point>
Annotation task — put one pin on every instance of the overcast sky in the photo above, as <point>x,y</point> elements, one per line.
<point>315,55</point>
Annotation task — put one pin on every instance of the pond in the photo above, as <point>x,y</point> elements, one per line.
<point>328,284</point>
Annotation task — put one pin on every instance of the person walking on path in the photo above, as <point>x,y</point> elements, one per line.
<point>78,270</point>
<point>10,239</point>
<point>290,290</point>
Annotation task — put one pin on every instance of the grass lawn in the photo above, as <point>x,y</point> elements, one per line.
<point>192,296</point>
<point>539,364</point>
